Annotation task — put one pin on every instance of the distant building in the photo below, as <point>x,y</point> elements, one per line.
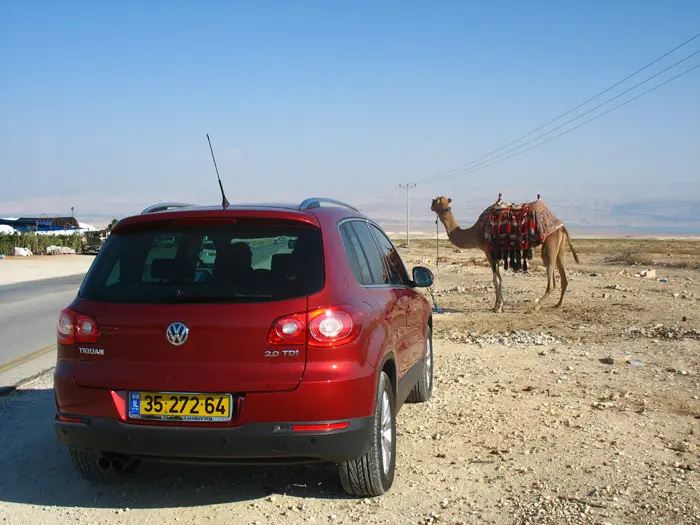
<point>44,225</point>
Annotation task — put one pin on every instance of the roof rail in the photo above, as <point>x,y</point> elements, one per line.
<point>164,206</point>
<point>315,202</point>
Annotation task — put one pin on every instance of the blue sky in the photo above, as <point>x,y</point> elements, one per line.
<point>105,106</point>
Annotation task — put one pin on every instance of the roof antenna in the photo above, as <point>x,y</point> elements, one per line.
<point>224,201</point>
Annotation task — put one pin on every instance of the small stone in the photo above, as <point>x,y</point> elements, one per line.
<point>681,447</point>
<point>607,360</point>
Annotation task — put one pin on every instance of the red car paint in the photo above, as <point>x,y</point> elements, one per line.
<point>319,385</point>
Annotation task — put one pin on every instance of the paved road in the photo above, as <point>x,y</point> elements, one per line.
<point>28,314</point>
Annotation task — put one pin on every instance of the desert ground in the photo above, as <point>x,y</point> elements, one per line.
<point>585,414</point>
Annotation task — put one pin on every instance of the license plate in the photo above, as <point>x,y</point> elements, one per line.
<point>173,406</point>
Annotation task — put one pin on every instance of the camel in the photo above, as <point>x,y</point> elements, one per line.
<point>553,251</point>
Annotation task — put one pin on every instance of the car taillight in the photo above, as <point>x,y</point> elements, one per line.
<point>76,328</point>
<point>65,329</point>
<point>288,330</point>
<point>331,327</point>
<point>326,327</point>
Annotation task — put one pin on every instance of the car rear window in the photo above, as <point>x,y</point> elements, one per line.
<point>243,262</point>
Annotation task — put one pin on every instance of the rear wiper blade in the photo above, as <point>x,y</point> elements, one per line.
<point>208,298</point>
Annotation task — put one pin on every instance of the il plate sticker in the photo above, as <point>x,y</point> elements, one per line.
<point>135,403</point>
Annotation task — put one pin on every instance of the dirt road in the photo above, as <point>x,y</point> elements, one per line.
<point>588,414</point>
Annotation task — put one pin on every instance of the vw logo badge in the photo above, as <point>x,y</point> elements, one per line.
<point>177,333</point>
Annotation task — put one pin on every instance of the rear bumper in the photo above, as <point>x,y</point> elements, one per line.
<point>249,443</point>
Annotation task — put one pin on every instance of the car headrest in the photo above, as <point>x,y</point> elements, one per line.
<point>281,263</point>
<point>172,269</point>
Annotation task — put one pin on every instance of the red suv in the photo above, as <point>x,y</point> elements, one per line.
<point>246,334</point>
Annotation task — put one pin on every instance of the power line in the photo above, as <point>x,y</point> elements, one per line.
<point>565,113</point>
<point>387,197</point>
<point>408,214</point>
<point>579,116</point>
<point>565,132</point>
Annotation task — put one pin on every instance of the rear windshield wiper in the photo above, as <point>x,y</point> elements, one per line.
<point>181,297</point>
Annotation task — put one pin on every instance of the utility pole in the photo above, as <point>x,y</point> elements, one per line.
<point>408,211</point>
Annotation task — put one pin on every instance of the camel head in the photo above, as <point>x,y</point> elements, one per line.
<point>441,205</point>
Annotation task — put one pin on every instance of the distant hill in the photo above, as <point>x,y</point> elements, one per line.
<point>648,217</point>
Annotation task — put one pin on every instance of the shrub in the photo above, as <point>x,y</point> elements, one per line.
<point>37,243</point>
<point>632,258</point>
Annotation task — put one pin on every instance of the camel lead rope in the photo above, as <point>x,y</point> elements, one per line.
<point>437,246</point>
<point>436,307</point>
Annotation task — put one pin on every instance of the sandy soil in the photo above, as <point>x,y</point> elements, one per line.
<point>22,269</point>
<point>586,414</point>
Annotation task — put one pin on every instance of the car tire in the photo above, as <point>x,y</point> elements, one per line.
<point>87,465</point>
<point>424,387</point>
<point>373,473</point>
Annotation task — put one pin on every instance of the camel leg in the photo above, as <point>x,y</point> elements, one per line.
<point>549,260</point>
<point>562,273</point>
<point>497,283</point>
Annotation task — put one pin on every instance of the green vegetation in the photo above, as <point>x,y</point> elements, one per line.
<point>37,243</point>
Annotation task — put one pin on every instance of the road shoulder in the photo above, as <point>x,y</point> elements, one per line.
<point>25,369</point>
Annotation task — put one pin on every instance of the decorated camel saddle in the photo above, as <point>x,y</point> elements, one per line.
<point>514,230</point>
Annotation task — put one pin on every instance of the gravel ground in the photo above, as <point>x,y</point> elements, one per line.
<point>589,414</point>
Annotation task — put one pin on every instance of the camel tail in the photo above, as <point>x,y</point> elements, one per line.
<point>571,247</point>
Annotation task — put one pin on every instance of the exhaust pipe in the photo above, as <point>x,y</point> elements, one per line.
<point>117,464</point>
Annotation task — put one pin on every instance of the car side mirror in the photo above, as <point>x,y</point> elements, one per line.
<point>291,243</point>
<point>422,277</point>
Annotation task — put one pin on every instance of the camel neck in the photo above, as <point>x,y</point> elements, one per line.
<point>461,237</point>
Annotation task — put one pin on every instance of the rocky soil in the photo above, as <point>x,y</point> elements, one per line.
<point>586,414</point>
